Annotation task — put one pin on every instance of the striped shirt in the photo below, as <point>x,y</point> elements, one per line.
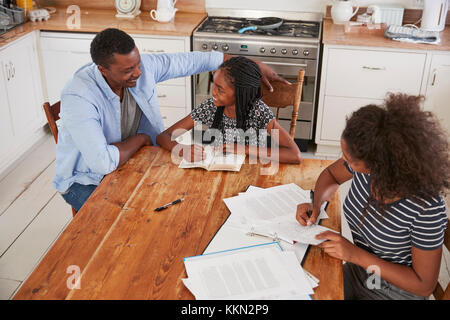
<point>405,223</point>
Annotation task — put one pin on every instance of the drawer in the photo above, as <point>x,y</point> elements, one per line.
<point>171,96</point>
<point>66,44</point>
<point>155,45</point>
<point>371,74</point>
<point>171,115</point>
<point>335,111</point>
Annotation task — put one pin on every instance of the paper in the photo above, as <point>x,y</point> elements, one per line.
<point>265,205</point>
<point>288,229</point>
<point>216,160</point>
<point>256,272</point>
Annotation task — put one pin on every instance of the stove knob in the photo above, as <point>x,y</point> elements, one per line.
<point>225,47</point>
<point>215,47</point>
<point>283,51</point>
<point>204,46</point>
<point>262,50</point>
<point>306,52</point>
<point>273,50</point>
<point>295,52</point>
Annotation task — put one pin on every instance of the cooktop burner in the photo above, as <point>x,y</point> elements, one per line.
<point>289,28</point>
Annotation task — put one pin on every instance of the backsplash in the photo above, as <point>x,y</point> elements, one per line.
<point>147,5</point>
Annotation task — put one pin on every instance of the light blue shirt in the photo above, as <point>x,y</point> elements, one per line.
<point>90,114</point>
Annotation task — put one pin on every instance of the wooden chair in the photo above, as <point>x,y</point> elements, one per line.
<point>52,114</point>
<point>285,95</point>
<point>439,293</point>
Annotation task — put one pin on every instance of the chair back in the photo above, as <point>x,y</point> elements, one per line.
<point>439,293</point>
<point>285,95</point>
<point>52,114</point>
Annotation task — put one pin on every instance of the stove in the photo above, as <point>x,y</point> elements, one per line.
<point>294,45</point>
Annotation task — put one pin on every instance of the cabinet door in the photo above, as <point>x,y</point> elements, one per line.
<point>23,96</point>
<point>6,131</point>
<point>438,93</point>
<point>335,110</point>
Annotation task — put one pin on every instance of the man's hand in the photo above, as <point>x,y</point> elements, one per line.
<point>269,75</point>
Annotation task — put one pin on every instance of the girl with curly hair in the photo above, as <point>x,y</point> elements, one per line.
<point>235,107</point>
<point>397,156</point>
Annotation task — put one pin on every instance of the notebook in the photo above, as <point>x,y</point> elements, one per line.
<point>216,160</point>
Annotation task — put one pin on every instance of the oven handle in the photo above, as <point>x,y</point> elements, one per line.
<point>286,64</point>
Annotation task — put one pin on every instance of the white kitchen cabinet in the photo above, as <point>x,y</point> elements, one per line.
<point>353,77</point>
<point>438,88</point>
<point>64,53</point>
<point>22,117</point>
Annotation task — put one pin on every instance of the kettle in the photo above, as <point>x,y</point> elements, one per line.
<point>434,14</point>
<point>342,11</point>
<point>165,11</point>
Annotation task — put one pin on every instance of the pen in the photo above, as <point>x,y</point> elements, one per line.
<point>311,195</point>
<point>169,204</point>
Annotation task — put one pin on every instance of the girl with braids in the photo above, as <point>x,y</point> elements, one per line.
<point>235,108</point>
<point>398,159</point>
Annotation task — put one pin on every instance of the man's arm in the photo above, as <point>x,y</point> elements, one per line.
<point>131,145</point>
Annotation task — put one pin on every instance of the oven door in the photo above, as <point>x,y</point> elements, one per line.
<point>287,69</point>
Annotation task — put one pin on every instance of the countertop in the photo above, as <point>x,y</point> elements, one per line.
<point>96,20</point>
<point>334,34</point>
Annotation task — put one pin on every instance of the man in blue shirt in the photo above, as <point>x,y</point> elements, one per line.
<point>109,109</point>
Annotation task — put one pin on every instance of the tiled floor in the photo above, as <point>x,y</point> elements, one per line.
<point>32,216</point>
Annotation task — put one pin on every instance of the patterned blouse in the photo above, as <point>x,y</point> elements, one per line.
<point>259,116</point>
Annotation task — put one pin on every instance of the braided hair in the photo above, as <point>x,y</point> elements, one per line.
<point>245,75</point>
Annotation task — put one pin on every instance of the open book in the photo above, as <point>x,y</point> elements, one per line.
<point>216,160</point>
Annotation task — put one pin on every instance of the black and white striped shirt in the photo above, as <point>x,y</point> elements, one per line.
<point>405,223</point>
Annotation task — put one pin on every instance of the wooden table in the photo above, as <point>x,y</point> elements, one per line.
<point>125,250</point>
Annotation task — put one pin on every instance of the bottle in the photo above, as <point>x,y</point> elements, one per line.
<point>26,5</point>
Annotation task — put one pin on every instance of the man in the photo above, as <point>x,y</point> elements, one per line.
<point>109,109</point>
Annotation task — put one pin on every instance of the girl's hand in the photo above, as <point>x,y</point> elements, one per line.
<point>337,246</point>
<point>195,153</point>
<point>302,214</point>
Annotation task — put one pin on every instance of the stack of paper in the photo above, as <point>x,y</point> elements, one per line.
<point>255,272</point>
<point>272,212</point>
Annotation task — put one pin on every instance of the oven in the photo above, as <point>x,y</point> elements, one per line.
<point>286,55</point>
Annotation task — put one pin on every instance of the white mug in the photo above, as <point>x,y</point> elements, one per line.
<point>163,15</point>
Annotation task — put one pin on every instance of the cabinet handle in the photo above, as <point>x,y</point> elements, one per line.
<point>373,68</point>
<point>152,51</point>
<point>13,70</point>
<point>434,78</point>
<point>162,96</point>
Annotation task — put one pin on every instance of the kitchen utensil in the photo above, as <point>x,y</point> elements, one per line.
<point>434,14</point>
<point>342,11</point>
<point>267,23</point>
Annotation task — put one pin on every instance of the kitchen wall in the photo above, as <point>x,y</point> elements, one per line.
<point>298,5</point>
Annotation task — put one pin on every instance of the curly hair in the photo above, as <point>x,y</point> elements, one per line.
<point>405,148</point>
<point>108,42</point>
